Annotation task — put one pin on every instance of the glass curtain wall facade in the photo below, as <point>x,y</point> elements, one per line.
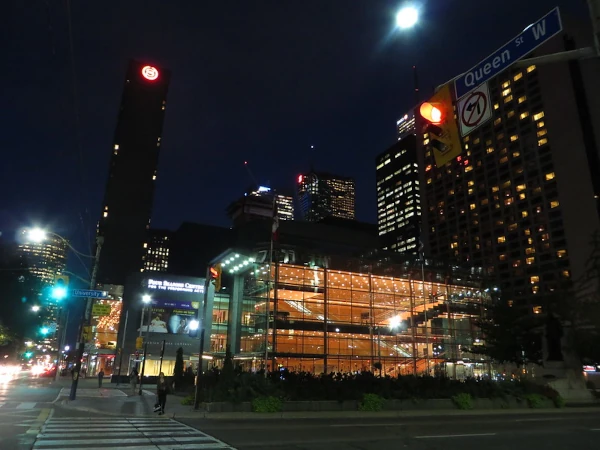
<point>348,321</point>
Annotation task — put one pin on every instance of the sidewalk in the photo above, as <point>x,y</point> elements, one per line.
<point>116,400</point>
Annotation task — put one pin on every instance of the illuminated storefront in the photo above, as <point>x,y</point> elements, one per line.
<point>370,315</point>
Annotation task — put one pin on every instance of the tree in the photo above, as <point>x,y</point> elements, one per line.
<point>511,334</point>
<point>581,308</point>
<point>178,369</point>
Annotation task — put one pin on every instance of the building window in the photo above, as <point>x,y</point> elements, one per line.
<point>524,115</point>
<point>522,99</point>
<point>518,76</point>
<point>550,176</point>
<point>534,279</point>
<point>542,142</point>
<point>530,260</point>
<point>501,239</point>
<point>554,204</point>
<point>531,68</point>
<point>505,92</point>
<point>538,116</point>
<point>561,253</point>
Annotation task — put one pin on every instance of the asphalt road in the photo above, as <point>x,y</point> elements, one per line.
<point>564,431</point>
<point>25,403</point>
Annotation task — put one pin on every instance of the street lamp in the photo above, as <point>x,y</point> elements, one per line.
<point>35,308</point>
<point>407,17</point>
<point>146,299</point>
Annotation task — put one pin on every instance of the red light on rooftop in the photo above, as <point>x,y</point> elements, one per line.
<point>300,178</point>
<point>150,73</point>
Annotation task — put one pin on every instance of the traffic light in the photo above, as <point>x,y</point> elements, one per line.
<point>444,137</point>
<point>60,289</point>
<point>44,331</point>
<point>28,355</point>
<point>215,276</point>
<point>139,343</point>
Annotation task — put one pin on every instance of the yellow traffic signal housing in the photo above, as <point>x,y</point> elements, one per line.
<point>216,272</point>
<point>444,136</point>
<point>139,343</point>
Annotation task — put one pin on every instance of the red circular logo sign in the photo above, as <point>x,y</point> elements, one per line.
<point>149,73</point>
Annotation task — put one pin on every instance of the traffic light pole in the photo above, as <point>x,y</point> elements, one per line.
<point>87,318</point>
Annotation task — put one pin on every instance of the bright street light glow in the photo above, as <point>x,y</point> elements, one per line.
<point>194,325</point>
<point>67,348</point>
<point>35,308</point>
<point>407,17</point>
<point>37,235</point>
<point>146,298</point>
<point>59,293</point>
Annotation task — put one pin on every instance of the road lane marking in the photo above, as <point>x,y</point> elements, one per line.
<point>353,425</point>
<point>26,405</point>
<point>438,436</point>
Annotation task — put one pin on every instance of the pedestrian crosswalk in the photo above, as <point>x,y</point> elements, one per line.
<point>17,405</point>
<point>124,433</point>
<point>99,392</point>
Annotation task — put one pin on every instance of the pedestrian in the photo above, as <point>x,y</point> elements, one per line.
<point>162,389</point>
<point>100,377</point>
<point>133,379</point>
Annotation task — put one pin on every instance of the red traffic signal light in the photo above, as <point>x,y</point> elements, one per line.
<point>432,112</point>
<point>215,275</point>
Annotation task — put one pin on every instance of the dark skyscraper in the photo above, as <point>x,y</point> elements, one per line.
<point>129,192</point>
<point>322,195</point>
<point>398,196</point>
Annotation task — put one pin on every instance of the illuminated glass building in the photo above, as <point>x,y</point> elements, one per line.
<point>322,195</point>
<point>522,200</point>
<point>353,313</point>
<point>129,194</point>
<point>45,259</point>
<point>398,197</point>
<point>157,248</point>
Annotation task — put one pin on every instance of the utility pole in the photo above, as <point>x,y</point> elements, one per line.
<point>87,317</point>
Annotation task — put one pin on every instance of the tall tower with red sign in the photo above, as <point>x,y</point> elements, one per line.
<point>127,206</point>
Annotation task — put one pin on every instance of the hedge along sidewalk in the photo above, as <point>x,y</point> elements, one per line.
<point>384,414</point>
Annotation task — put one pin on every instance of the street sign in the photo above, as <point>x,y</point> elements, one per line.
<point>89,293</point>
<point>100,310</point>
<point>474,109</point>
<point>531,38</point>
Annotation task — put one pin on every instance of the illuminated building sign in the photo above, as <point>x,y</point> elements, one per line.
<point>165,285</point>
<point>149,73</point>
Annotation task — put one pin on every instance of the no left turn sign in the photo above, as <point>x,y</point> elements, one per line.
<point>474,109</point>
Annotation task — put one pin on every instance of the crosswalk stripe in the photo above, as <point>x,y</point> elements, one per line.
<point>26,405</point>
<point>130,434</point>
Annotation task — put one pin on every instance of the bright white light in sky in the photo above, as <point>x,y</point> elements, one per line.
<point>407,17</point>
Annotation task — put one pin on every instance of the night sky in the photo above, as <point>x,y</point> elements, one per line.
<point>259,81</point>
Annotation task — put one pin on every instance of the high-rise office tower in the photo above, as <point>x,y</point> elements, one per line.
<point>398,196</point>
<point>322,195</point>
<point>522,200</point>
<point>405,126</point>
<point>127,206</point>
<point>45,258</point>
<point>260,203</point>
<point>156,251</point>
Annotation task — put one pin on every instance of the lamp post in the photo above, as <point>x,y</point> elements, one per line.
<point>146,299</point>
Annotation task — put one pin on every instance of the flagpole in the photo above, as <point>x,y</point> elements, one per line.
<point>274,226</point>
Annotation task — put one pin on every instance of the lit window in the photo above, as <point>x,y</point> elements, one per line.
<point>524,213</point>
<point>468,168</point>
<point>542,132</point>
<point>105,214</point>
<point>505,92</point>
<point>518,76</point>
<point>503,159</point>
<point>490,150</point>
<point>510,114</point>
<point>472,206</point>
<point>428,180</point>
<point>154,178</point>
<point>531,68</point>
<point>514,137</point>
<point>485,201</point>
<point>498,121</point>
<point>550,176</point>
<point>454,245</point>
<point>534,279</point>
<point>541,124</point>
<point>508,99</point>
<point>512,227</point>
<point>521,187</point>
<point>496,106</point>
<point>508,201</point>
<point>561,253</point>
<point>530,251</point>
<point>501,239</point>
<point>506,84</point>
<point>542,142</point>
<point>537,309</point>
<point>554,204</point>
<point>116,146</point>
<point>516,154</point>
<point>502,257</point>
<point>566,273</point>
<point>538,116</point>
<point>495,188</point>
<point>530,260</point>
<point>522,99</point>
<point>524,115</point>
